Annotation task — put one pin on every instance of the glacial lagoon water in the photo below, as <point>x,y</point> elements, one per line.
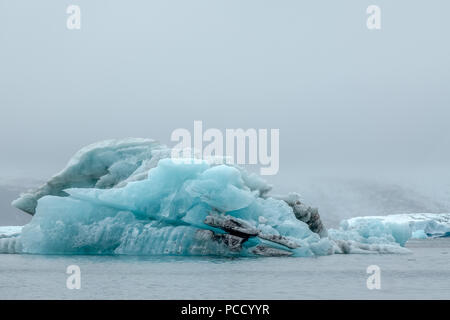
<point>422,274</point>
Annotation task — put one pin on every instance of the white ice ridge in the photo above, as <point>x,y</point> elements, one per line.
<point>105,164</point>
<point>128,197</point>
<point>400,227</point>
<point>10,231</point>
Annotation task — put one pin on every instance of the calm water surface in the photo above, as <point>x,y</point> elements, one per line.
<point>423,274</point>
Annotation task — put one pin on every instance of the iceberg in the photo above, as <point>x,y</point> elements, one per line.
<point>181,208</point>
<point>397,227</point>
<point>129,197</point>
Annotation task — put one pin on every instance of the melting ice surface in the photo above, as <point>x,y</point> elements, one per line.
<point>128,197</point>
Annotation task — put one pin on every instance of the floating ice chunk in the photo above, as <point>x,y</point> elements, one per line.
<point>397,228</point>
<point>127,197</point>
<point>170,212</point>
<point>431,224</point>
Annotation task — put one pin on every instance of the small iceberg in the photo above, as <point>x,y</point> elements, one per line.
<point>129,197</point>
<point>397,227</point>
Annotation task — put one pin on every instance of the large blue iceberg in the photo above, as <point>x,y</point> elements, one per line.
<point>129,197</point>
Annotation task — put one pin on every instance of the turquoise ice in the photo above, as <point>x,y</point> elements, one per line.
<point>163,214</point>
<point>128,197</point>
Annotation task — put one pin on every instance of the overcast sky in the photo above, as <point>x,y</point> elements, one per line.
<point>342,96</point>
